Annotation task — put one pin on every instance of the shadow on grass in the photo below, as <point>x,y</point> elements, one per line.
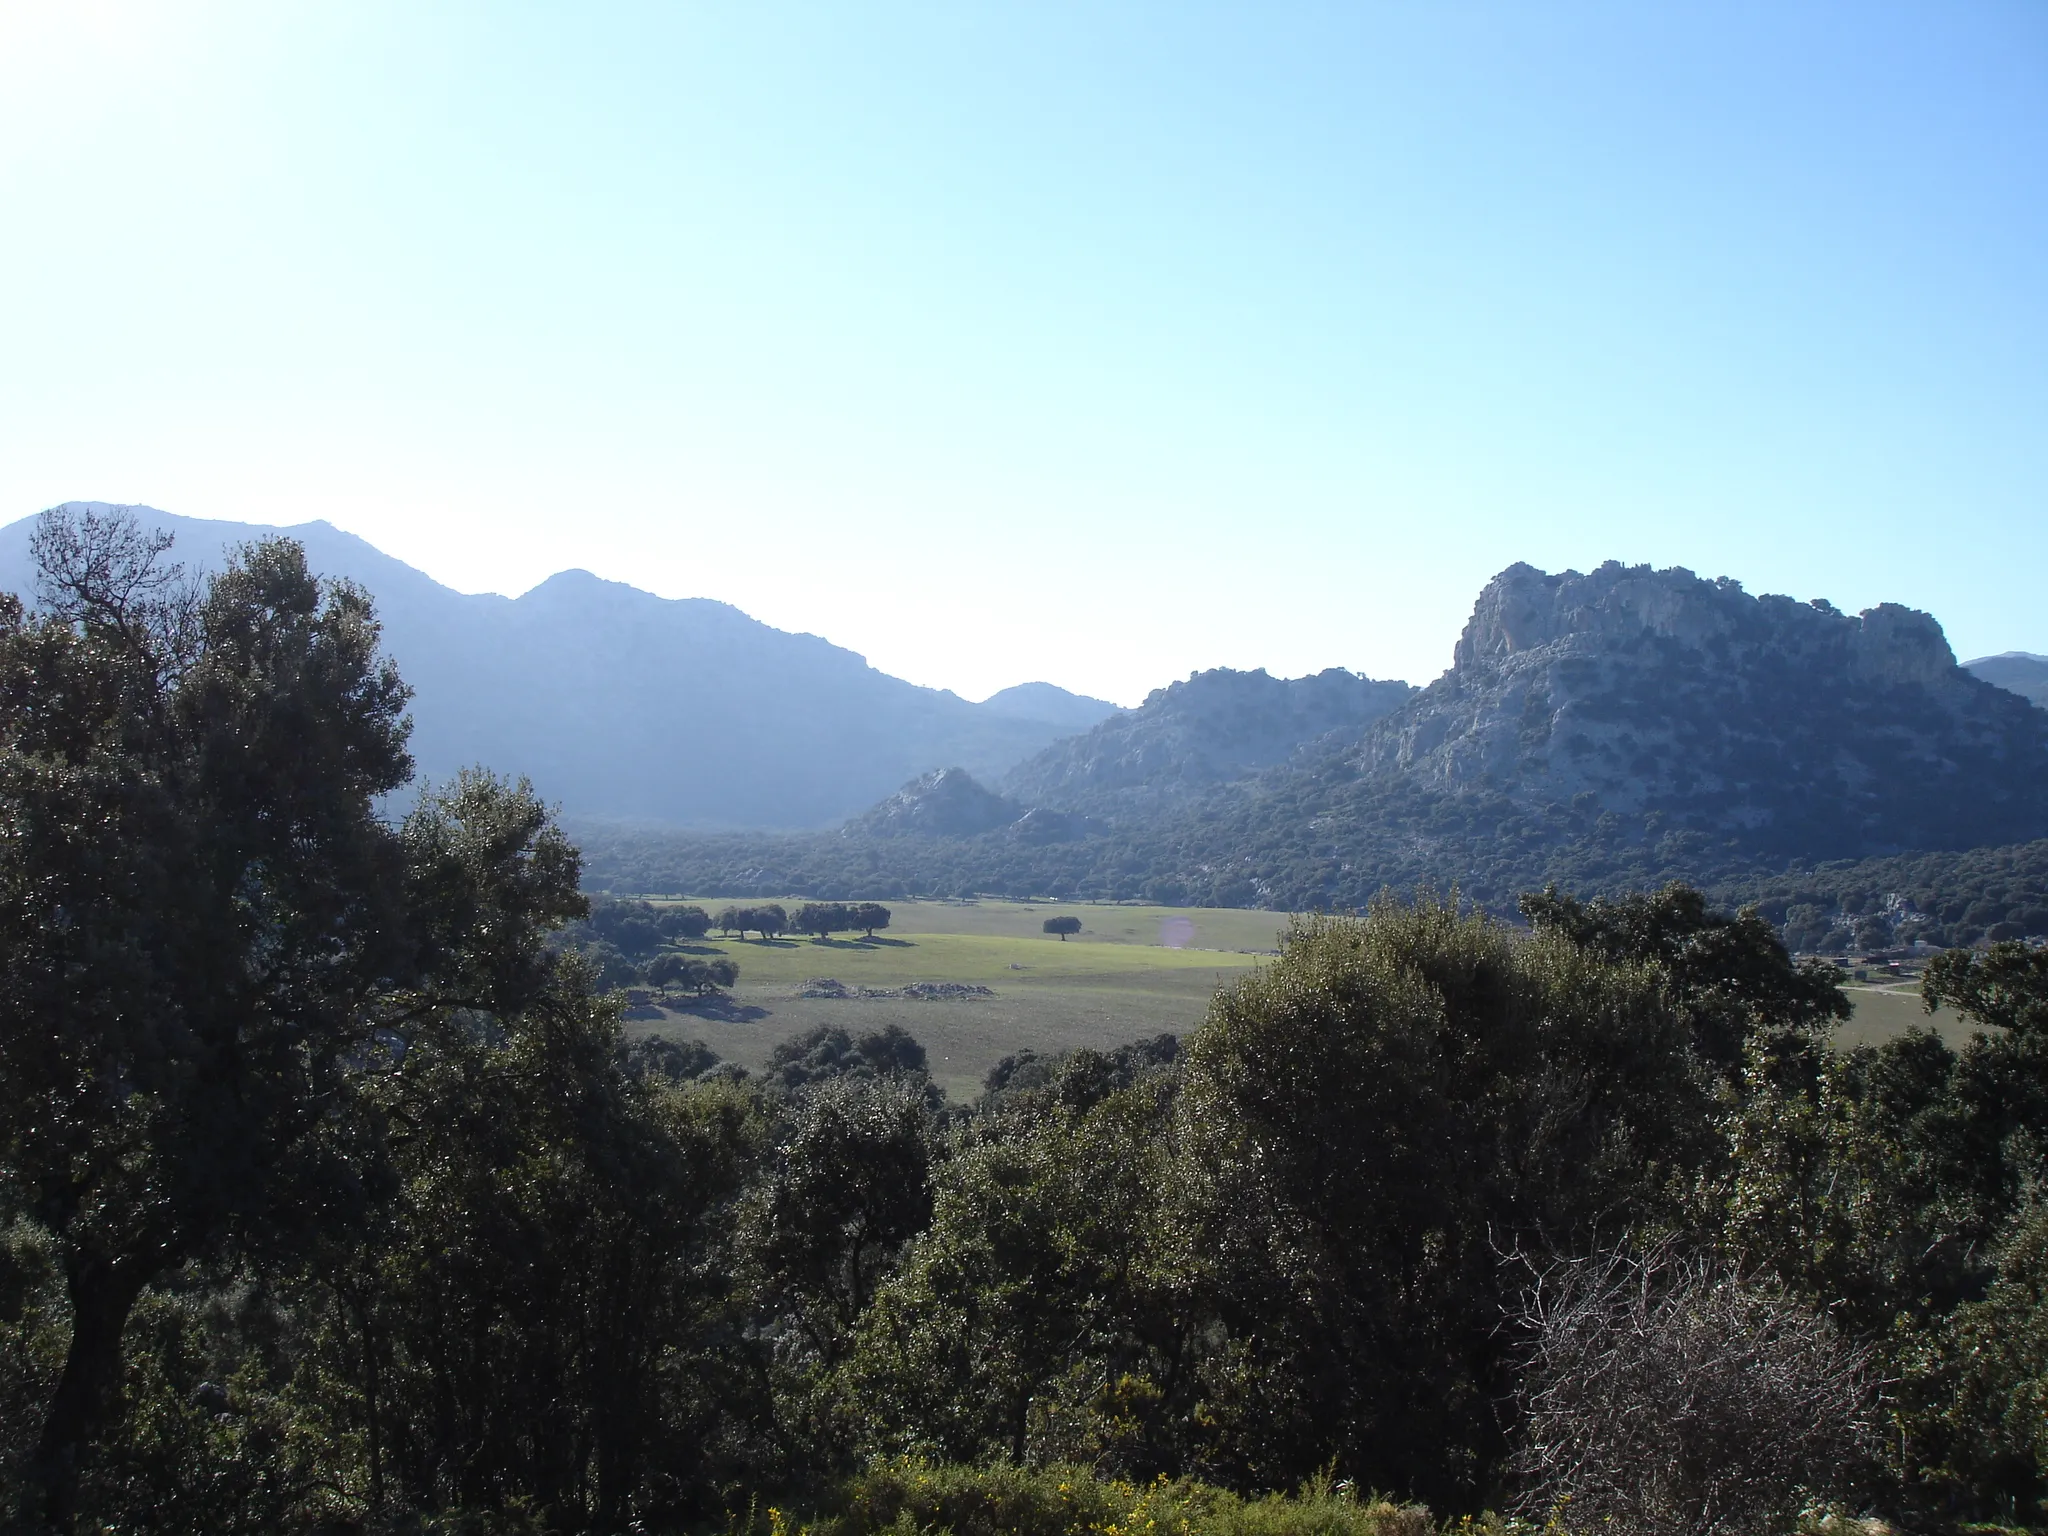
<point>719,1007</point>
<point>863,943</point>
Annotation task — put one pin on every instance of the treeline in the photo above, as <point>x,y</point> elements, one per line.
<point>820,919</point>
<point>1943,899</point>
<point>335,1198</point>
<point>635,943</point>
<point>1274,852</point>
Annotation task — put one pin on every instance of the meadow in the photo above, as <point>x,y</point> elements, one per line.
<point>1131,971</point>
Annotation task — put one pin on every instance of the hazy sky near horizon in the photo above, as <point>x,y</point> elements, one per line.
<point>1089,342</point>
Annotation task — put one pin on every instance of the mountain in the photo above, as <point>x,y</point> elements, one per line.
<point>624,706</point>
<point>1056,706</point>
<point>2019,672</point>
<point>1215,727</point>
<point>946,802</point>
<point>1789,726</point>
<point>1609,731</point>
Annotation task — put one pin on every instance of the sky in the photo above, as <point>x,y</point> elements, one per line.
<point>1097,343</point>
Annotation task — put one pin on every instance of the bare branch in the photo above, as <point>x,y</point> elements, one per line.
<point>1663,1393</point>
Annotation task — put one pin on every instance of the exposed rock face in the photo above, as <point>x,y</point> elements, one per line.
<point>1787,723</point>
<point>1215,727</point>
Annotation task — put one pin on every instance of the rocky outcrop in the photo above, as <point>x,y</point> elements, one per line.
<point>1216,727</point>
<point>1636,691</point>
<point>947,802</point>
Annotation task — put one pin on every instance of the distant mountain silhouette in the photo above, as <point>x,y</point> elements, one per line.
<point>624,706</point>
<point>2019,672</point>
<point>1043,701</point>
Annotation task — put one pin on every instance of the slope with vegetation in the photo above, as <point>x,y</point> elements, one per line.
<point>1607,732</point>
<point>1214,728</point>
<point>2019,672</point>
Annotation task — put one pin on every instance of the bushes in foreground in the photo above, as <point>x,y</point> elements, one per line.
<point>1066,1500</point>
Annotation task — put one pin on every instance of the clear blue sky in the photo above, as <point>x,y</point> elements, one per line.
<point>1091,342</point>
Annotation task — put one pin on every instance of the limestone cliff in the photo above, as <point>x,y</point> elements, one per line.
<point>1783,723</point>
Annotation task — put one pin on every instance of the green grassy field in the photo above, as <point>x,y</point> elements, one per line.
<point>1232,928</point>
<point>1114,981</point>
<point>1882,1012</point>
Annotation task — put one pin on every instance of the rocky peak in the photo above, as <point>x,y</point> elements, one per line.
<point>1636,690</point>
<point>947,802</point>
<point>1524,609</point>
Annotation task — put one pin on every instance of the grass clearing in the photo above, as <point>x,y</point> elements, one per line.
<point>1883,1012</point>
<point>1212,928</point>
<point>1114,981</point>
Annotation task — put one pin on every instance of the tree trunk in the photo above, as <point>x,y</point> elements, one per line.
<point>88,1394</point>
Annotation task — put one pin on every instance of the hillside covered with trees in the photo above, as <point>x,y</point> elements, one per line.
<point>1607,733</point>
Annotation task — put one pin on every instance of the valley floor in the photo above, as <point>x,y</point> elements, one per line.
<point>1123,976</point>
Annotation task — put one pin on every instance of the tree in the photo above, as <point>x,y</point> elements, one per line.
<point>708,976</point>
<point>2006,986</point>
<point>770,920</point>
<point>1731,973</point>
<point>1062,926</point>
<point>633,928</point>
<point>1433,1081</point>
<point>827,1052</point>
<point>689,922</point>
<point>665,970</point>
<point>868,916</point>
<point>702,976</point>
<point>202,911</point>
<point>541,1310</point>
<point>728,922</point>
<point>851,1185</point>
<point>822,918</point>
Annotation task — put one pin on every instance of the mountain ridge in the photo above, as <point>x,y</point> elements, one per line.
<point>1790,724</point>
<point>628,707</point>
<point>1609,731</point>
